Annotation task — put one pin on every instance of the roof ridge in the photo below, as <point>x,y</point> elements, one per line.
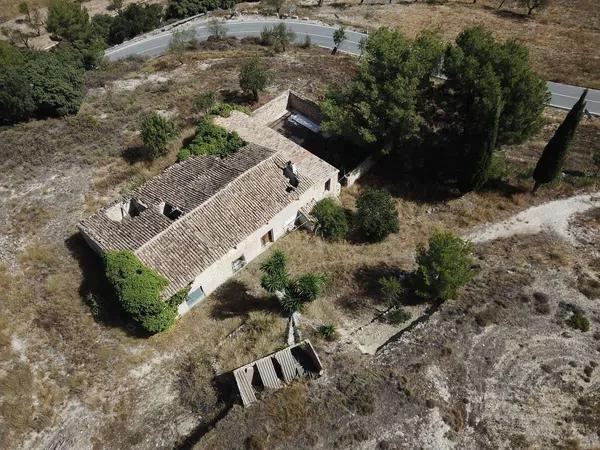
<point>223,189</point>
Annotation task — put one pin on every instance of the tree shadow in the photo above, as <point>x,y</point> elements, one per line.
<point>503,187</point>
<point>235,96</point>
<point>94,285</point>
<point>367,293</point>
<point>233,299</point>
<point>134,154</point>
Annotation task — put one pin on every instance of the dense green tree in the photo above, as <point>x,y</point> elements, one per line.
<point>254,76</point>
<point>381,104</point>
<point>480,127</point>
<point>38,83</point>
<point>179,9</point>
<point>68,20</point>
<point>100,25</point>
<point>157,131</point>
<point>524,93</point>
<point>16,98</point>
<point>278,37</point>
<point>444,266</point>
<point>376,215</point>
<point>332,222</point>
<point>553,157</point>
<point>339,36</point>
<point>293,293</point>
<point>133,20</point>
<point>138,289</point>
<point>57,84</point>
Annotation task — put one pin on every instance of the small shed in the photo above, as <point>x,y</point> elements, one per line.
<point>271,372</point>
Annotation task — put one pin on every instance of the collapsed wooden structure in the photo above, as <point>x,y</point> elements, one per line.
<point>273,371</point>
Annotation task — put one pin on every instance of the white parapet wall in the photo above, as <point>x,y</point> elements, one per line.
<point>360,170</point>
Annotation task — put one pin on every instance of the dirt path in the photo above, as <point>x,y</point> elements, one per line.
<point>552,216</point>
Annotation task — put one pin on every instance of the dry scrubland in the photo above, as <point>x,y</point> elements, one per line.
<point>562,39</point>
<point>68,381</point>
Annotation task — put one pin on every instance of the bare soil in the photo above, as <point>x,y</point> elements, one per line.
<point>72,380</point>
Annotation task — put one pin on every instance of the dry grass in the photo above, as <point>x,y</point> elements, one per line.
<point>73,357</point>
<point>561,39</point>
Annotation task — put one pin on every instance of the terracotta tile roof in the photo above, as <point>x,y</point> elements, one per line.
<point>184,185</point>
<point>224,202</point>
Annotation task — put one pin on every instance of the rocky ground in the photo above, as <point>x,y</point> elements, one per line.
<point>496,368</point>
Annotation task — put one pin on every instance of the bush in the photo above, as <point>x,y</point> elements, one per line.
<point>211,139</point>
<point>332,222</point>
<point>377,216</point>
<point>328,332</point>
<point>180,9</point>
<point>443,267</point>
<point>391,289</point>
<point>398,316</point>
<point>578,321</point>
<point>225,109</point>
<point>138,289</point>
<point>204,102</point>
<point>157,131</point>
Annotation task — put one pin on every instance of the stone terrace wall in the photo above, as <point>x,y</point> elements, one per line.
<point>304,106</point>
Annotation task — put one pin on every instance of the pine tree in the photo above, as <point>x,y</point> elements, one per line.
<point>553,157</point>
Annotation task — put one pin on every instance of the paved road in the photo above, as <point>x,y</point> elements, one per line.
<point>563,95</point>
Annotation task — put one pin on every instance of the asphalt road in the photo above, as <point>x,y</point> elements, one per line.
<point>563,95</point>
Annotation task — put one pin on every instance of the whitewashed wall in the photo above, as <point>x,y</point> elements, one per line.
<point>251,247</point>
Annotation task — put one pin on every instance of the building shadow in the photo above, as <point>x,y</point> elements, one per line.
<point>233,299</point>
<point>95,290</point>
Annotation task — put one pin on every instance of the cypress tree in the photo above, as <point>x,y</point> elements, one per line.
<point>553,157</point>
<point>480,130</point>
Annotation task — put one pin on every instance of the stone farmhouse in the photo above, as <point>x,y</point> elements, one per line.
<point>202,220</point>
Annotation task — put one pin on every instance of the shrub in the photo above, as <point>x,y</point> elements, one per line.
<point>157,131</point>
<point>332,222</point>
<point>225,109</point>
<point>443,267</point>
<point>391,289</point>
<point>211,139</point>
<point>328,332</point>
<point>578,321</point>
<point>204,102</point>
<point>398,316</point>
<point>138,289</point>
<point>184,154</point>
<point>377,216</point>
